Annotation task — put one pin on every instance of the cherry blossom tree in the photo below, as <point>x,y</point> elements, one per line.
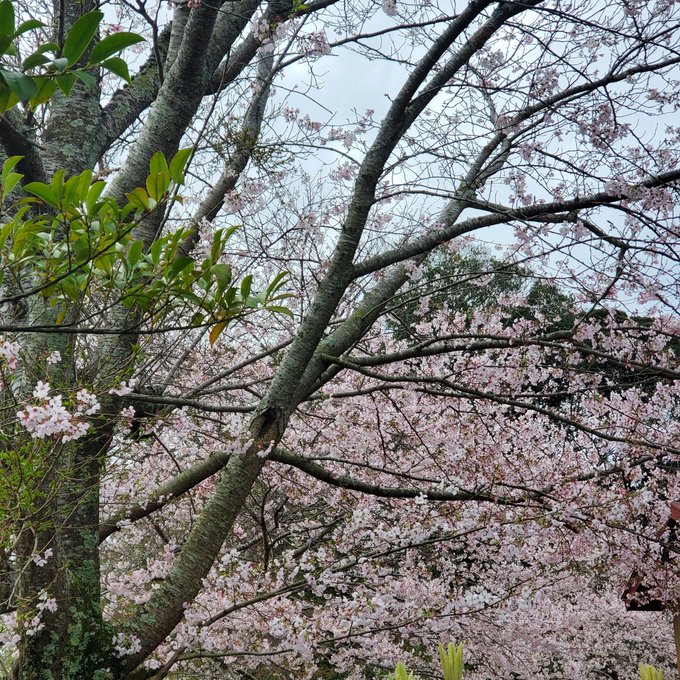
<point>225,451</point>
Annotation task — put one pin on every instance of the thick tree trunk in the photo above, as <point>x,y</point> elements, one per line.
<point>59,597</point>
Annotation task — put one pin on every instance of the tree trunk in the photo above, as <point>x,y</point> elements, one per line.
<point>59,590</point>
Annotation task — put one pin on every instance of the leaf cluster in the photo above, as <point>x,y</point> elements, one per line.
<point>51,66</point>
<point>76,242</point>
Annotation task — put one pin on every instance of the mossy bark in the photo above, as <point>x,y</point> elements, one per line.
<point>73,642</point>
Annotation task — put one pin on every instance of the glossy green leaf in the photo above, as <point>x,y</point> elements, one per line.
<point>57,183</point>
<point>66,83</point>
<point>70,288</point>
<point>11,49</point>
<point>118,67</point>
<point>157,184</point>
<point>112,44</point>
<point>177,265</point>
<point>220,238</point>
<point>86,78</point>
<point>254,301</point>
<point>93,194</point>
<point>81,249</point>
<point>60,64</point>
<point>277,283</point>
<point>46,88</point>
<point>21,85</point>
<point>7,18</point>
<point>134,254</point>
<point>222,273</point>
<point>158,164</point>
<point>47,47</point>
<point>8,166</point>
<point>5,44</point>
<point>178,165</point>
<point>71,191</point>
<point>29,25</point>
<point>138,198</point>
<point>7,98</point>
<point>80,36</point>
<point>155,251</point>
<point>44,192</point>
<point>280,310</point>
<point>84,180</point>
<point>12,180</point>
<point>246,285</point>
<point>33,60</point>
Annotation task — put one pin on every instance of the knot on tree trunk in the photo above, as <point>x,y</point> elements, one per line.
<point>268,425</point>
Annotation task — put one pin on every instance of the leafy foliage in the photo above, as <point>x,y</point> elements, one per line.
<point>79,243</point>
<point>52,66</point>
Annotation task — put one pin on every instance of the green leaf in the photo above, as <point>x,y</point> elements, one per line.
<point>157,184</point>
<point>80,36</point>
<point>60,64</point>
<point>158,163</point>
<point>43,192</point>
<point>81,249</point>
<point>93,194</point>
<point>57,183</point>
<point>254,301</point>
<point>155,251</point>
<point>7,18</point>
<point>139,199</point>
<point>178,165</point>
<point>5,44</point>
<point>8,166</point>
<point>71,191</point>
<point>118,67</point>
<point>66,83</point>
<point>134,254</point>
<point>12,180</point>
<point>10,49</point>
<point>112,44</point>
<point>7,98</point>
<point>222,273</point>
<point>21,85</point>
<point>83,189</point>
<point>46,47</point>
<point>33,60</point>
<point>246,285</point>
<point>178,265</point>
<point>191,297</point>
<point>277,309</point>
<point>70,288</point>
<point>86,78</point>
<point>29,26</point>
<point>277,283</point>
<point>46,88</point>
<point>229,298</point>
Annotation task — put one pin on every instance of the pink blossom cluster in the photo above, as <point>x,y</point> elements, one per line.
<point>343,172</point>
<point>11,629</point>
<point>314,44</point>
<point>47,416</point>
<point>9,353</point>
<point>347,137</point>
<point>125,644</point>
<point>390,7</point>
<point>535,574</point>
